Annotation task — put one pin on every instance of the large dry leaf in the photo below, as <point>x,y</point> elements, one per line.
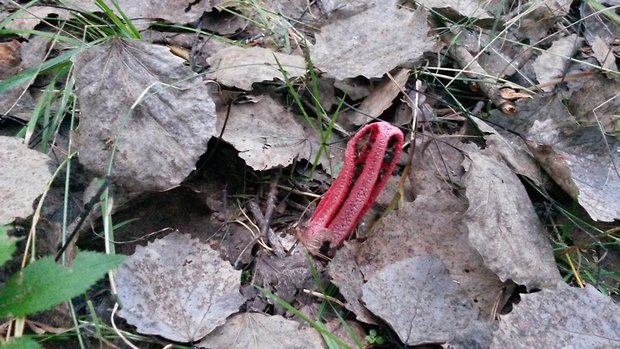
<point>162,137</point>
<point>583,161</point>
<point>241,67</point>
<point>177,288</point>
<point>180,11</point>
<point>267,135</point>
<point>564,317</point>
<point>503,225</point>
<point>552,63</point>
<point>23,178</point>
<point>419,300</point>
<point>259,331</point>
<point>431,225</point>
<point>368,44</point>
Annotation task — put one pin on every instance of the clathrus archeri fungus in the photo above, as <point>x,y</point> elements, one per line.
<point>369,159</point>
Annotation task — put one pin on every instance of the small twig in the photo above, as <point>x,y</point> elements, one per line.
<point>324,297</point>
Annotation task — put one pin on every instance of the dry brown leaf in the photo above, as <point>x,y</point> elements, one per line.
<point>597,103</point>
<point>267,135</point>
<point>419,300</point>
<point>431,225</point>
<point>177,288</point>
<point>564,317</point>
<point>551,64</point>
<point>259,331</point>
<point>503,225</point>
<point>381,97</point>
<point>241,67</point>
<point>511,95</point>
<point>24,177</point>
<point>346,274</point>
<point>148,97</point>
<point>33,15</point>
<point>511,150</point>
<point>366,43</point>
<point>174,11</point>
<point>580,159</point>
<point>10,58</point>
<point>18,101</point>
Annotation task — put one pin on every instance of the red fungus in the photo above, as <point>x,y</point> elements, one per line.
<point>369,159</point>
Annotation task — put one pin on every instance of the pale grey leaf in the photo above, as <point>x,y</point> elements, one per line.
<point>259,331</point>
<point>177,288</point>
<point>564,317</point>
<point>162,135</point>
<point>503,225</point>
<point>24,177</point>
<point>419,300</point>
<point>367,44</point>
<point>267,135</point>
<point>241,67</point>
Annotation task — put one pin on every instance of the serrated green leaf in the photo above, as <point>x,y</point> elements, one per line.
<point>7,246</point>
<point>43,283</point>
<point>21,343</point>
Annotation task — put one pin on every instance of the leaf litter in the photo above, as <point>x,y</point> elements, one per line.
<point>446,260</point>
<point>177,288</point>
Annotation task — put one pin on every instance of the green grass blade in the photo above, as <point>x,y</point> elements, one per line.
<point>32,72</point>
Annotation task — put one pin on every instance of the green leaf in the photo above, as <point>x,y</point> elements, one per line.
<point>7,246</point>
<point>21,343</point>
<point>43,283</point>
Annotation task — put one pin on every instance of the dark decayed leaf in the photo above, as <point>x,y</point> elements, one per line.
<point>503,225</point>
<point>163,136</point>
<point>259,331</point>
<point>419,300</point>
<point>564,317</point>
<point>43,283</point>
<point>177,288</point>
<point>23,178</point>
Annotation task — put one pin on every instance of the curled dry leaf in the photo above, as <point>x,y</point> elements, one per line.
<point>503,225</point>
<point>259,331</point>
<point>564,317</point>
<point>24,177</point>
<point>366,43</point>
<point>145,95</point>
<point>380,98</point>
<point>177,288</point>
<point>581,159</point>
<point>419,300</point>
<point>241,67</point>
